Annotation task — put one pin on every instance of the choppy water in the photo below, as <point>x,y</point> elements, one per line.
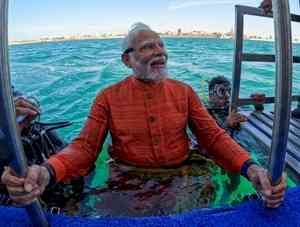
<point>65,77</point>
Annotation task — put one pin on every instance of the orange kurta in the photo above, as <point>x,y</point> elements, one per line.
<point>147,123</point>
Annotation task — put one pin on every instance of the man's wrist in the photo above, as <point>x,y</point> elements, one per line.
<point>52,175</point>
<point>245,167</point>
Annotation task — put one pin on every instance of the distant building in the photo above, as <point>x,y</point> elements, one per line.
<point>179,32</point>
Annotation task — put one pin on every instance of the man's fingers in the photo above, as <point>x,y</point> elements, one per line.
<point>242,118</point>
<point>16,190</point>
<point>9,178</point>
<point>276,196</point>
<point>274,203</point>
<point>272,195</point>
<point>236,117</point>
<point>279,188</point>
<point>25,191</point>
<point>26,199</point>
<point>25,103</point>
<point>24,107</point>
<point>25,111</point>
<point>32,178</point>
<point>43,179</point>
<point>264,184</point>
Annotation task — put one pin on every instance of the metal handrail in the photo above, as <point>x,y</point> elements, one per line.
<point>9,140</point>
<point>284,68</point>
<point>284,59</point>
<point>239,55</point>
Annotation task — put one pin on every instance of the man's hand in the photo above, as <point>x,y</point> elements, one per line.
<point>258,98</point>
<point>25,108</point>
<point>234,119</point>
<point>266,5</point>
<point>24,191</point>
<point>272,195</point>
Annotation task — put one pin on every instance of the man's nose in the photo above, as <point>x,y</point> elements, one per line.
<point>158,49</point>
<point>227,94</point>
<point>160,52</point>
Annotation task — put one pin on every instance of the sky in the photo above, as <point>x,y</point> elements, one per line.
<point>32,19</point>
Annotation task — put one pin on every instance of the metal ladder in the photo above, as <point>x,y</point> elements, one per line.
<point>283,59</point>
<point>240,56</point>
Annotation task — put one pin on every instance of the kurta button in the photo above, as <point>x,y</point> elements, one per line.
<point>151,119</point>
<point>149,96</point>
<point>155,140</point>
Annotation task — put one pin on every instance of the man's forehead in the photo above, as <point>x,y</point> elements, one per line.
<point>145,36</point>
<point>224,85</point>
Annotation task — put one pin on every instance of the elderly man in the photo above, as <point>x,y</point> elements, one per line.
<point>146,115</point>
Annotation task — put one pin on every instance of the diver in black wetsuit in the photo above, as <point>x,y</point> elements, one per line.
<point>26,111</point>
<point>40,141</point>
<point>219,89</point>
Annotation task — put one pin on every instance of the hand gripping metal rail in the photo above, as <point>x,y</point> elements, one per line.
<point>9,141</point>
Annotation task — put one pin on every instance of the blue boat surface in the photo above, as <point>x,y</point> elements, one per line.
<point>250,213</point>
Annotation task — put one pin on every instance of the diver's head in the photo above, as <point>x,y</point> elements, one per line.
<point>219,91</point>
<point>145,53</point>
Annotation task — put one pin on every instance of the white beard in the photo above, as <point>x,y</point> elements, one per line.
<point>146,73</point>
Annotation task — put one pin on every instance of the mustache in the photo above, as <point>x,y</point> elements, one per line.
<point>163,58</point>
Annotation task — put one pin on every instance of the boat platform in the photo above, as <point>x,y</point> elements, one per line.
<point>260,125</point>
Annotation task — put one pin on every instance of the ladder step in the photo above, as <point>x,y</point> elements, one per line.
<point>249,101</point>
<point>253,11</point>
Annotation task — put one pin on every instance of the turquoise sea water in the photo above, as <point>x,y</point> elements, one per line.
<point>66,76</point>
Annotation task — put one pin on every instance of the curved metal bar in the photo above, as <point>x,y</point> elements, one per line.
<point>284,58</point>
<point>9,141</point>
<point>237,59</point>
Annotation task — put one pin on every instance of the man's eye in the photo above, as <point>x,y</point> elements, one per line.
<point>148,46</point>
<point>151,46</point>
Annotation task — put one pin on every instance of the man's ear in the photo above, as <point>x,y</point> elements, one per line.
<point>126,59</point>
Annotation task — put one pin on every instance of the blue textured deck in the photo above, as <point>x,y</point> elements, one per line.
<point>247,214</point>
<point>260,125</point>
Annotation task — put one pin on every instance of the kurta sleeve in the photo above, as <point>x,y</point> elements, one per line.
<point>219,145</point>
<point>79,156</point>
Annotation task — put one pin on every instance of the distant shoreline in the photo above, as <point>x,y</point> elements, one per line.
<point>24,42</point>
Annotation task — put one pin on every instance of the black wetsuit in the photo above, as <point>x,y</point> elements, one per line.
<point>40,141</point>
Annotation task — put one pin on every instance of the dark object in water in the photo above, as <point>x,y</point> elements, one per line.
<point>40,141</point>
<point>296,112</point>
